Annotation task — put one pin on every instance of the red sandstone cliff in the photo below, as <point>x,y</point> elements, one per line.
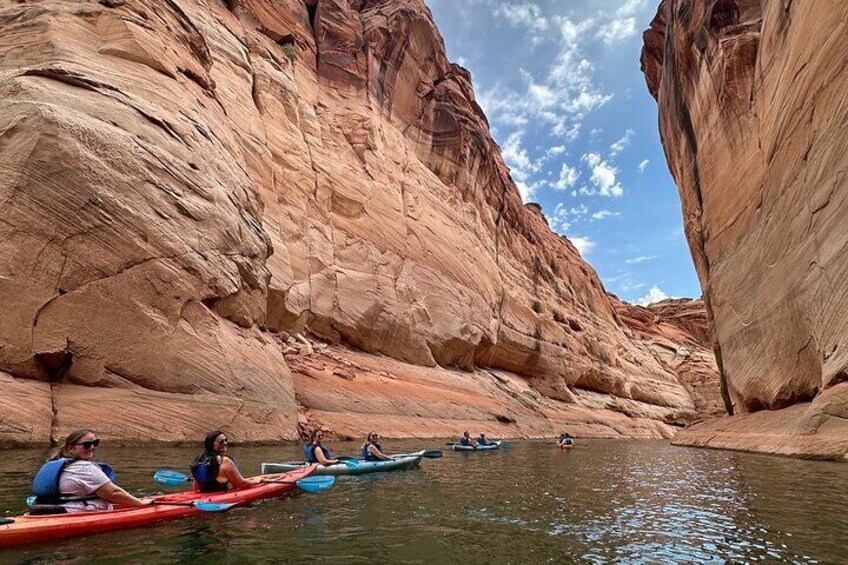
<point>753,103</point>
<point>188,182</point>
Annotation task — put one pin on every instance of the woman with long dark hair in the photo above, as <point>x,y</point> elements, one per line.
<point>71,479</point>
<point>215,471</point>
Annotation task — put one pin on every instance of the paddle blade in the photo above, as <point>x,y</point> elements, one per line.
<point>207,506</point>
<point>170,478</point>
<point>506,446</point>
<point>316,484</point>
<point>352,463</point>
<point>31,501</point>
<point>434,454</point>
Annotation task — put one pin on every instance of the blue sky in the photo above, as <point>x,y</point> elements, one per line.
<point>560,83</point>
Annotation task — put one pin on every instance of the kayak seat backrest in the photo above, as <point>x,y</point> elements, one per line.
<point>45,509</point>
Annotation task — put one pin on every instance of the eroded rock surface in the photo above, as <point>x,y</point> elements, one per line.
<point>754,120</point>
<point>184,181</point>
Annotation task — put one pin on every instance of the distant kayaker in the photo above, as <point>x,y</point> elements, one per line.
<point>371,450</point>
<point>71,479</point>
<point>466,440</point>
<point>315,452</point>
<point>215,471</point>
<point>481,440</point>
<point>565,439</point>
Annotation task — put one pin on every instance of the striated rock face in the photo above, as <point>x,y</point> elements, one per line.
<point>186,182</point>
<point>754,120</point>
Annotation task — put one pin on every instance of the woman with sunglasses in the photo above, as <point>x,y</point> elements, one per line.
<point>371,450</point>
<point>315,452</point>
<point>215,471</point>
<point>71,479</point>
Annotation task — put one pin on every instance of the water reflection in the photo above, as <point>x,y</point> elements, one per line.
<point>605,502</point>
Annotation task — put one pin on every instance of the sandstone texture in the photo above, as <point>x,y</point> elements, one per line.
<point>188,183</point>
<point>753,105</point>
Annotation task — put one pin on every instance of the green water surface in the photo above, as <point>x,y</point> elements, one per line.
<point>608,501</point>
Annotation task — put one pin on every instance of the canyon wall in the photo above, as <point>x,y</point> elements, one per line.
<point>753,105</point>
<point>190,186</point>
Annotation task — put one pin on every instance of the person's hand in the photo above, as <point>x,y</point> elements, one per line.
<point>146,501</point>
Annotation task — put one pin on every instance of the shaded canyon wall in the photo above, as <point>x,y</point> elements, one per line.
<point>753,104</point>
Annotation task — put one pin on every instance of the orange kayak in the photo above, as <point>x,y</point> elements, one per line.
<point>561,446</point>
<point>30,529</point>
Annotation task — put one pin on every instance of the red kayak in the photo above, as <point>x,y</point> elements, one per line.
<point>31,529</point>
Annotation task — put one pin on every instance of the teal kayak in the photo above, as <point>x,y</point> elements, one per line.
<point>399,463</point>
<point>491,446</point>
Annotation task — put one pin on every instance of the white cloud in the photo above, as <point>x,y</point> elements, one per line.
<point>640,259</point>
<point>522,13</point>
<point>567,177</point>
<point>583,244</point>
<point>643,165</point>
<point>554,151</point>
<point>516,156</point>
<point>617,30</point>
<point>621,144</point>
<point>603,177</point>
<point>654,295</point>
<point>527,191</point>
<point>601,214</point>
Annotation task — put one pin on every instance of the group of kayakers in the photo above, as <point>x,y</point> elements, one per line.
<point>71,481</point>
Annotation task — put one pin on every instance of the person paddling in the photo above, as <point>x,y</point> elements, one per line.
<point>481,440</point>
<point>565,439</point>
<point>466,440</point>
<point>215,471</point>
<point>315,452</point>
<point>73,481</point>
<point>372,451</point>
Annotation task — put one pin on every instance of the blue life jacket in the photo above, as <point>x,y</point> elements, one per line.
<point>464,441</point>
<point>567,441</point>
<point>206,479</point>
<point>309,453</point>
<point>482,441</point>
<point>46,481</point>
<point>367,456</point>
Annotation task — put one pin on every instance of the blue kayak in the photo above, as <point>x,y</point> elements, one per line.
<point>489,447</point>
<point>398,463</point>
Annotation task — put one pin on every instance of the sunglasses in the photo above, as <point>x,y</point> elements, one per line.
<point>222,442</point>
<point>89,444</point>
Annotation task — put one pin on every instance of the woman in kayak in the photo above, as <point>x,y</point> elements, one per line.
<point>481,440</point>
<point>466,440</point>
<point>317,453</point>
<point>71,479</point>
<point>372,451</point>
<point>215,471</point>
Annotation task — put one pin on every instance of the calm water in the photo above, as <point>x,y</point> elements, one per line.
<point>605,502</point>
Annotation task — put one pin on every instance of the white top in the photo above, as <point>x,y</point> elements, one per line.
<point>83,478</point>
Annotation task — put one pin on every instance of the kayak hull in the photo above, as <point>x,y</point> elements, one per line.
<point>489,447</point>
<point>565,447</point>
<point>401,463</point>
<point>31,529</point>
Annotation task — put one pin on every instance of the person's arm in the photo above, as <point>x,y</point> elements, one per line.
<point>372,449</point>
<point>234,476</point>
<point>113,493</point>
<point>319,455</point>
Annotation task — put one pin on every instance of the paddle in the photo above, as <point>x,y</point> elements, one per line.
<point>203,505</point>
<point>309,484</point>
<point>432,454</point>
<point>351,462</point>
